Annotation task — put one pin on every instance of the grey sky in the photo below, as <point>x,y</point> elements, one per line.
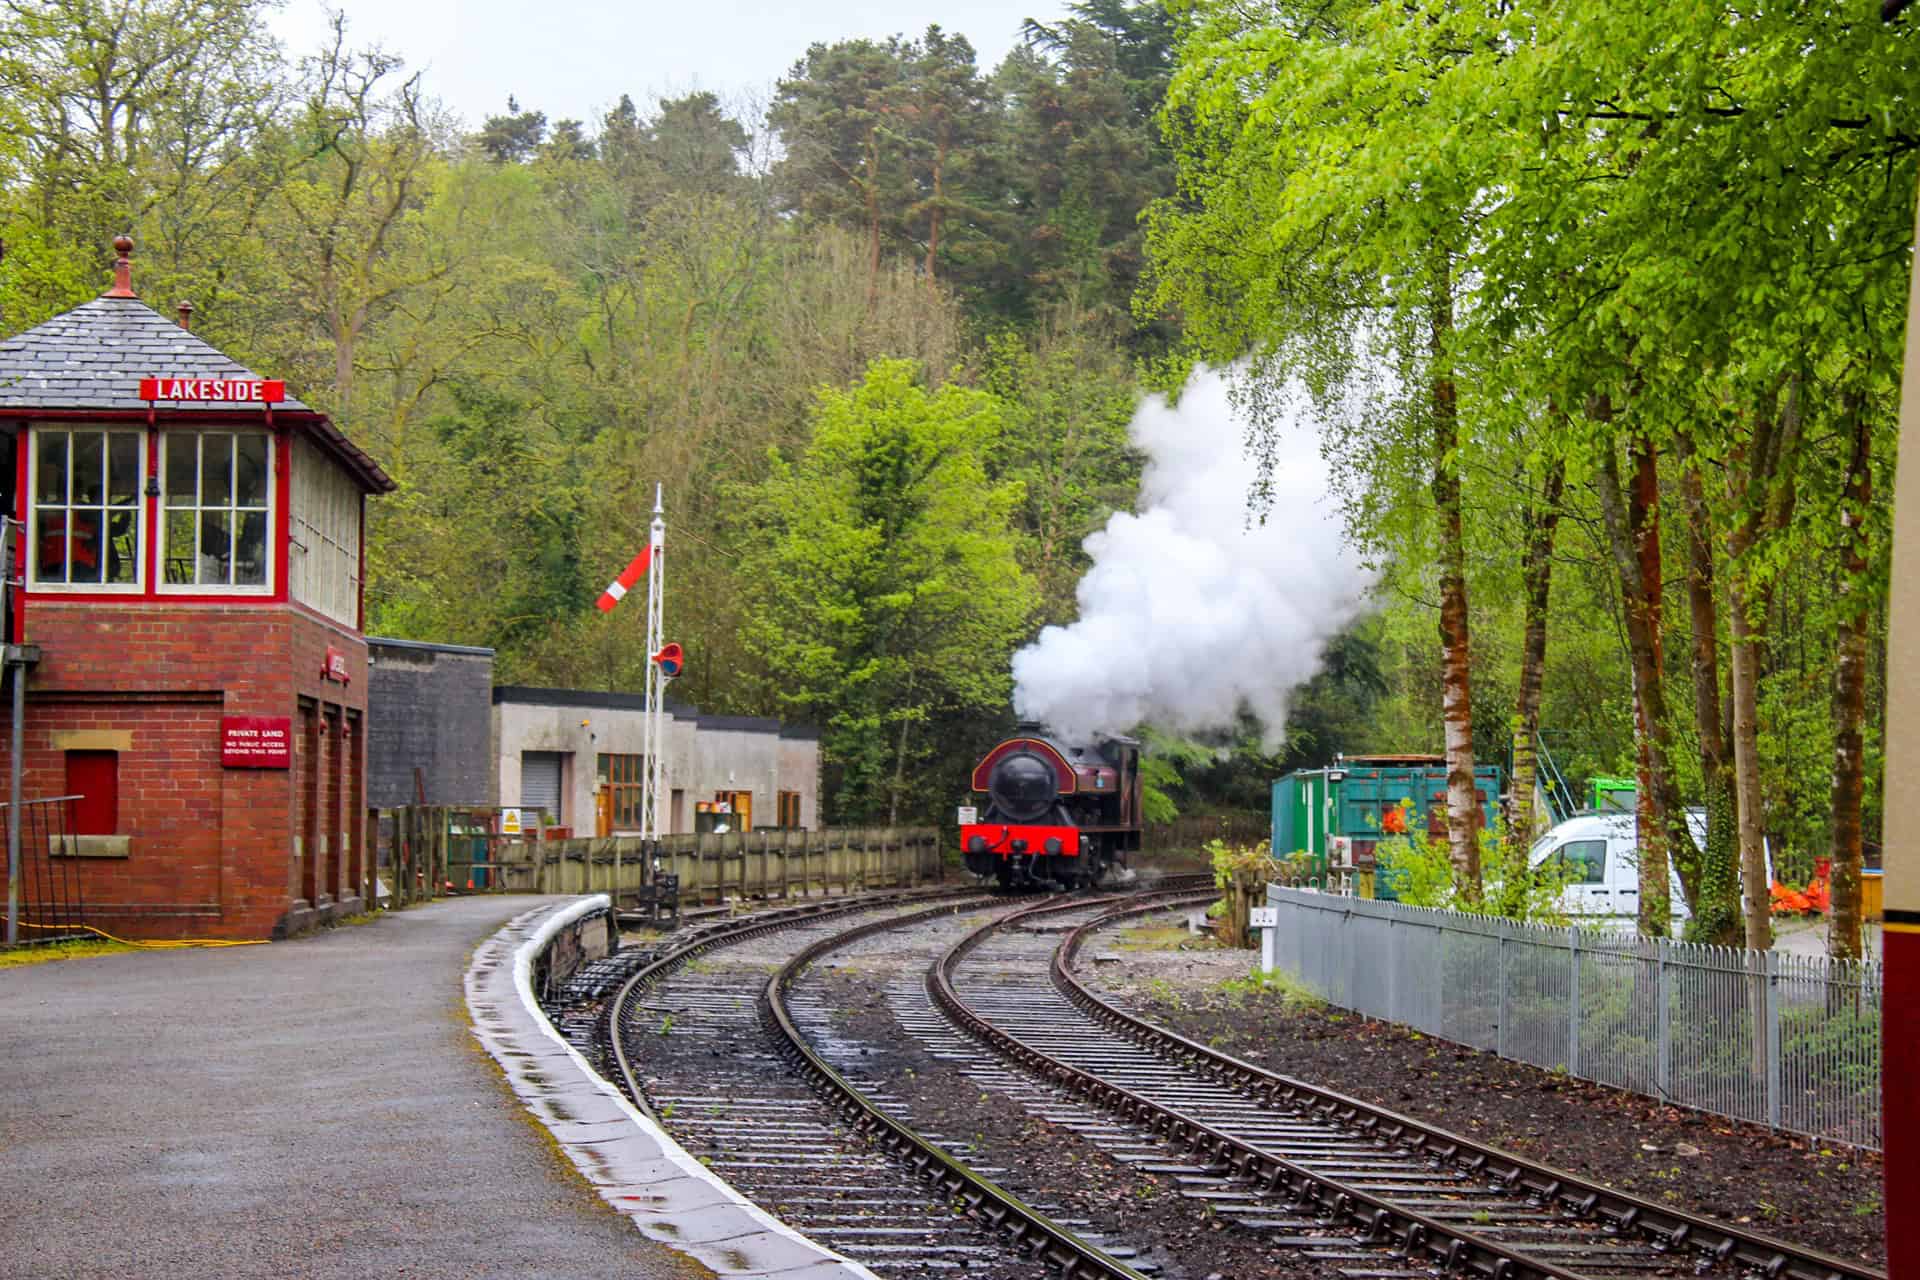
<point>576,57</point>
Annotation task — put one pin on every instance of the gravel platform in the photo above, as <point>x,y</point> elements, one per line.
<point>307,1108</point>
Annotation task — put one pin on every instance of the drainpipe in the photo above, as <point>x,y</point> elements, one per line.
<point>18,673</point>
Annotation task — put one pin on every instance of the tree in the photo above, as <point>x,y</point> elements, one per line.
<point>837,114</point>
<point>892,593</point>
<point>1345,251</point>
<point>513,138</point>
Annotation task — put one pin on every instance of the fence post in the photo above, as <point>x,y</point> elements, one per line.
<point>1773,1038</point>
<point>1500,1006</point>
<point>1573,1001</point>
<point>1663,1026</point>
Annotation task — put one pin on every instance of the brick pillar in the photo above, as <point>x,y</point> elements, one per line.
<point>307,762</point>
<point>334,822</point>
<point>353,821</point>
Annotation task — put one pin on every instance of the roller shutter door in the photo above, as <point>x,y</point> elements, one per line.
<point>540,783</point>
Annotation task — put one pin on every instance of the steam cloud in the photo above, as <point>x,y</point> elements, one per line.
<point>1192,611</point>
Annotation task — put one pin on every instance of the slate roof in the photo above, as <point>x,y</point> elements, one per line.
<point>94,356</point>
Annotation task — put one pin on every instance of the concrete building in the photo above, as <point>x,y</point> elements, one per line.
<point>576,755</point>
<point>429,709</point>
<point>188,631</point>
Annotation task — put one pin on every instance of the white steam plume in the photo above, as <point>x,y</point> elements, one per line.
<point>1192,611</point>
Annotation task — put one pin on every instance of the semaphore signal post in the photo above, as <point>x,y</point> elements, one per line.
<point>657,675</point>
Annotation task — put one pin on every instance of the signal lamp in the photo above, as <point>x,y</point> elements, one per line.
<point>670,660</point>
<point>976,844</point>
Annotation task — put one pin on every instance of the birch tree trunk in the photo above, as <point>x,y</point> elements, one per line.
<point>1765,505</point>
<point>1633,539</point>
<point>1850,692</point>
<point>1537,579</point>
<point>1711,886</point>
<point>1456,700</point>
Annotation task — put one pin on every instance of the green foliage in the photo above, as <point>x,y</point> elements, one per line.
<point>1265,985</point>
<point>1416,869</point>
<point>893,593</point>
<point>1232,862</point>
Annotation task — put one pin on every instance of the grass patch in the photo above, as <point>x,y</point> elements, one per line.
<point>1276,987</point>
<point>1155,937</point>
<point>21,956</point>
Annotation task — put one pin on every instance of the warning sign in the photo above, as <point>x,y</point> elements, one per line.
<point>256,742</point>
<point>509,822</point>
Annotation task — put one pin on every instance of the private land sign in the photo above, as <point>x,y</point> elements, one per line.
<point>256,742</point>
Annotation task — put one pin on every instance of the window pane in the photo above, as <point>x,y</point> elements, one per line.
<point>179,549</point>
<point>123,546</point>
<point>250,551</point>
<point>52,566</point>
<point>123,469</point>
<point>83,544</point>
<point>183,465</point>
<point>216,548</point>
<point>89,466</point>
<point>51,485</point>
<point>251,474</point>
<point>216,470</point>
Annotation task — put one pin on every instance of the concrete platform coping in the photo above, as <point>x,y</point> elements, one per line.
<point>630,1161</point>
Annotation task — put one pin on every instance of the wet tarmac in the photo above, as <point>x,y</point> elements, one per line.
<point>309,1108</point>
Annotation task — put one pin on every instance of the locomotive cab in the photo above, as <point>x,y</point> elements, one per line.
<point>1052,814</point>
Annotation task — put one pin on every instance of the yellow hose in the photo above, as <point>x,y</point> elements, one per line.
<point>165,944</point>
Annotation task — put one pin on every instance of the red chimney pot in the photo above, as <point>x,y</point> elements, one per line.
<point>186,314</point>
<point>122,270</point>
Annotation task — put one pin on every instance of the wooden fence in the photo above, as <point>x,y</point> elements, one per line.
<point>433,848</point>
<point>1190,834</point>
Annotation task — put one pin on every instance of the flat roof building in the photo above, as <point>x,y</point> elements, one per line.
<point>576,755</point>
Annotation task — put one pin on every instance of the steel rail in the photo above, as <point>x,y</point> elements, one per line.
<point>727,933</point>
<point>982,1198</point>
<point>1381,1223</point>
<point>1580,1198</point>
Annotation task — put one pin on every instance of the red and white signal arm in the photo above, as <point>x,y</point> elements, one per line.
<point>670,659</point>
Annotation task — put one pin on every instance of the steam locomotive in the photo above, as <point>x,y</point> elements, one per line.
<point>1053,814</point>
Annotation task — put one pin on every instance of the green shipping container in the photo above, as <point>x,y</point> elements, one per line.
<point>1362,797</point>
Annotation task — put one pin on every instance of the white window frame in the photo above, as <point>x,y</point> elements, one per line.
<point>140,533</point>
<point>161,510</point>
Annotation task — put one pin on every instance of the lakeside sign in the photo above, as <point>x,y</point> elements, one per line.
<point>256,742</point>
<point>215,390</point>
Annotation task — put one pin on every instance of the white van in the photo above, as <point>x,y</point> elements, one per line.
<point>1603,850</point>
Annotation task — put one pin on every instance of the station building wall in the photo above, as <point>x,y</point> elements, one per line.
<point>201,849</point>
<point>703,755</point>
<point>430,708</point>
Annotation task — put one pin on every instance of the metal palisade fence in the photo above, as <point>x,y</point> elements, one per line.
<point>1787,1041</point>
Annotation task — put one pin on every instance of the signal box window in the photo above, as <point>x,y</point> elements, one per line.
<point>86,508</point>
<point>625,782</point>
<point>790,810</point>
<point>94,777</point>
<point>217,498</point>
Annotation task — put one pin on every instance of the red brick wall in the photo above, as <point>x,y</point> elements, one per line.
<point>212,849</point>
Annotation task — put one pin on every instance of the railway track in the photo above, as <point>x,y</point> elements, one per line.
<point>695,1033</point>
<point>1367,1192</point>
